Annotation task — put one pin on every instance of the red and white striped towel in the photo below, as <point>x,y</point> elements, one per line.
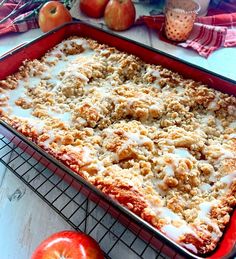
<point>21,15</point>
<point>209,33</point>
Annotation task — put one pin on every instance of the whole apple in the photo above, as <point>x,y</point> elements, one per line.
<point>119,14</point>
<point>93,8</point>
<point>68,245</point>
<point>53,14</point>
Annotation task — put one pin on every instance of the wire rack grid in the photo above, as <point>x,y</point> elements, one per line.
<point>77,204</point>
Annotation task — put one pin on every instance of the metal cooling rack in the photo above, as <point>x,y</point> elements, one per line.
<point>76,204</point>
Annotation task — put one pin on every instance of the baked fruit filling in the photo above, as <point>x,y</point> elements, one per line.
<point>159,144</point>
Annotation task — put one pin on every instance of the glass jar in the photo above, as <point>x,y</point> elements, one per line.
<point>179,18</point>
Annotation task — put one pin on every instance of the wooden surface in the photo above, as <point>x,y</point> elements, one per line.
<point>25,220</point>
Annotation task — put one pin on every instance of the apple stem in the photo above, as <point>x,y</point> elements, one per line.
<point>53,10</point>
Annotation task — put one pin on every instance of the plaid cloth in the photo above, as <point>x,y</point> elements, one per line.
<point>209,33</point>
<point>20,15</point>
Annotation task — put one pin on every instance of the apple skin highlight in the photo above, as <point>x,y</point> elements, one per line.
<point>93,8</point>
<point>119,14</point>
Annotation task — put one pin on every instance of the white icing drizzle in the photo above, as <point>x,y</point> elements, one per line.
<point>167,214</point>
<point>154,107</point>
<point>52,72</point>
<point>65,157</point>
<point>87,155</point>
<point>176,232</point>
<point>81,120</point>
<point>139,139</point>
<point>190,247</point>
<point>12,108</point>
<point>73,70</point>
<point>180,89</point>
<point>85,151</point>
<point>169,170</point>
<point>37,124</point>
<point>205,119</point>
<point>213,178</point>
<point>182,152</point>
<point>80,76</point>
<point>233,125</point>
<point>64,117</point>
<point>213,105</point>
<point>104,51</point>
<point>226,154</point>
<point>155,73</point>
<point>100,166</point>
<point>133,138</point>
<point>21,113</point>
<point>82,42</point>
<point>205,187</point>
<point>219,125</point>
<point>228,179</point>
<point>204,215</point>
<point>50,139</point>
<point>205,208</point>
<point>221,153</point>
<point>172,231</point>
<point>178,155</point>
<point>232,110</point>
<point>52,57</point>
<point>156,182</point>
<point>60,66</point>
<point>104,90</point>
<point>32,82</point>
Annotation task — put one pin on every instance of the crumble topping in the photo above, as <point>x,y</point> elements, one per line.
<point>161,145</point>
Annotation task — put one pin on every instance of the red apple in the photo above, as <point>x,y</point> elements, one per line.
<point>53,14</point>
<point>119,14</point>
<point>93,8</point>
<point>68,245</point>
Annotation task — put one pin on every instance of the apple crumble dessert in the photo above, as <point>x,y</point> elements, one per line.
<point>161,145</point>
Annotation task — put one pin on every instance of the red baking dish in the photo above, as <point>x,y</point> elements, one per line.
<point>10,63</point>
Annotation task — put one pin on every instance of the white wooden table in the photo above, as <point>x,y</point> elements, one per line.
<point>25,219</point>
